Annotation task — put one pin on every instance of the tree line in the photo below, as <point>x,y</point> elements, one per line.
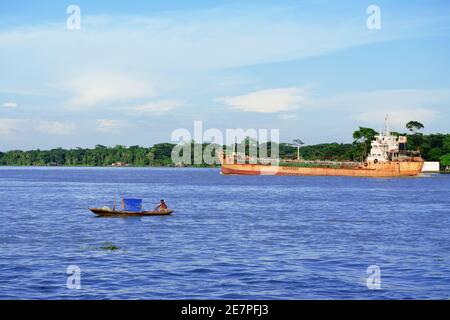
<point>433,147</point>
<point>158,155</point>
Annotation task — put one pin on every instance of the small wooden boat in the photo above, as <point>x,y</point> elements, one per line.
<point>121,213</point>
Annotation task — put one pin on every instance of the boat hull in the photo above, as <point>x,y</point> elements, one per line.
<point>389,169</point>
<point>109,213</point>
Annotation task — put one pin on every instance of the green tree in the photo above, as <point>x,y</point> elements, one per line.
<point>362,138</point>
<point>415,138</point>
<point>435,154</point>
<point>446,144</point>
<point>414,126</point>
<point>297,143</point>
<point>445,161</point>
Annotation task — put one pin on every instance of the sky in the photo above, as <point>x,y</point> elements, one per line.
<point>136,71</point>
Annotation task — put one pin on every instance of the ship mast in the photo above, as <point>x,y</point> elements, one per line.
<point>386,126</point>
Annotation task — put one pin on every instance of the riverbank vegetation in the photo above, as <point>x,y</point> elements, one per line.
<point>433,147</point>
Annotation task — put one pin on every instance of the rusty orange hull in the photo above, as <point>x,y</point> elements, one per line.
<point>388,169</point>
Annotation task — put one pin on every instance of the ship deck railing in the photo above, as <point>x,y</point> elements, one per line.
<point>319,163</point>
<point>291,162</point>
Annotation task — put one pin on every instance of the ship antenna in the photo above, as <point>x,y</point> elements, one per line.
<point>235,150</point>
<point>386,126</point>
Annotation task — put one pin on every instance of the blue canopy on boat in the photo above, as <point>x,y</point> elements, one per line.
<point>133,205</point>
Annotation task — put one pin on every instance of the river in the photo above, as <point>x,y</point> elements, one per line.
<point>231,237</point>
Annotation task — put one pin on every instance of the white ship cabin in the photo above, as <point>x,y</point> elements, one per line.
<point>385,147</point>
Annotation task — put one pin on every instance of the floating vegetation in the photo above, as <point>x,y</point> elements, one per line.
<point>108,246</point>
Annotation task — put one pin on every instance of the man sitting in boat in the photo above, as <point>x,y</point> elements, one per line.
<point>162,206</point>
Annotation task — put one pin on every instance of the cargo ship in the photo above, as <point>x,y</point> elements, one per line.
<point>388,157</point>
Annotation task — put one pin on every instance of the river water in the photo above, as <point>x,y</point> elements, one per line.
<point>231,237</point>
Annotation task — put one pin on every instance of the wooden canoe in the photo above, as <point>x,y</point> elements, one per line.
<point>119,213</point>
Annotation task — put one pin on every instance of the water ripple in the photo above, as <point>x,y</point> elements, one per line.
<point>231,237</point>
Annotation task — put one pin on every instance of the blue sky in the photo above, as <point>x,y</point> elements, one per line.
<point>136,71</point>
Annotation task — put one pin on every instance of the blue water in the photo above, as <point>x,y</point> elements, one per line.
<point>231,237</point>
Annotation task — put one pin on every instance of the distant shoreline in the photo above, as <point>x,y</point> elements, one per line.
<point>433,147</point>
<point>78,166</point>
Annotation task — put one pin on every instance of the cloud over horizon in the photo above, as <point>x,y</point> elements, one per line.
<point>100,88</point>
<point>265,101</point>
<point>287,64</point>
<point>110,125</point>
<point>9,126</point>
<point>158,106</point>
<point>10,104</point>
<point>401,106</point>
<point>56,127</point>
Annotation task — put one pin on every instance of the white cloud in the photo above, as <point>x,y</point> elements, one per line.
<point>55,127</point>
<point>100,88</point>
<point>383,99</point>
<point>127,56</point>
<point>401,106</point>
<point>159,106</point>
<point>287,116</point>
<point>266,101</point>
<point>109,126</point>
<point>10,104</point>
<point>9,126</point>
<point>368,107</point>
<point>397,118</point>
<point>225,37</point>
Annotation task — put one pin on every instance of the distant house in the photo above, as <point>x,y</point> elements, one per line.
<point>119,164</point>
<point>430,166</point>
<point>52,164</point>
